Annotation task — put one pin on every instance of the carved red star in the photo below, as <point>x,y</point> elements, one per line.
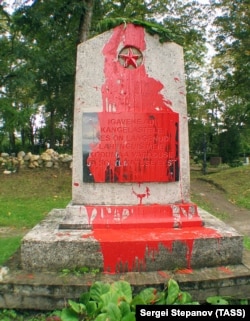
<point>130,59</point>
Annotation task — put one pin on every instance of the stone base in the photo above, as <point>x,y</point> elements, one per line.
<point>151,216</point>
<point>48,248</point>
<point>217,264</point>
<point>50,290</point>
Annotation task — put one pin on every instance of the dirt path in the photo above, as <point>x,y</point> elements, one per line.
<point>234,216</point>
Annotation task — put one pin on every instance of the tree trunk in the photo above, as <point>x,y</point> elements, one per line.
<point>85,21</point>
<point>12,142</point>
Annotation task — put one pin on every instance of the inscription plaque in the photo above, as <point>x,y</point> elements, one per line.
<point>136,147</point>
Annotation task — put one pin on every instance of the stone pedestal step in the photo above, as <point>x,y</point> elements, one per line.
<point>21,289</point>
<point>48,248</point>
<point>128,216</point>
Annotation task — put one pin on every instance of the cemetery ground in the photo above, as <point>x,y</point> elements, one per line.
<point>27,196</point>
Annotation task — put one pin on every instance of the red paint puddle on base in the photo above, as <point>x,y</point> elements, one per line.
<point>184,271</point>
<point>30,276</point>
<point>144,216</point>
<point>63,234</point>
<point>164,274</point>
<point>225,270</point>
<point>129,249</point>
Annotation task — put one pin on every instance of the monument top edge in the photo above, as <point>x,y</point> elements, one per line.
<point>148,30</point>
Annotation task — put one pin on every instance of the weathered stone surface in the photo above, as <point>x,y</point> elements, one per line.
<point>46,247</point>
<point>21,154</point>
<point>34,158</point>
<point>21,289</point>
<point>49,164</point>
<point>66,158</point>
<point>46,157</point>
<point>164,63</point>
<point>31,161</point>
<point>27,157</point>
<point>5,155</point>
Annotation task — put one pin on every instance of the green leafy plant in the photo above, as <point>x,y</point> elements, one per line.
<point>103,301</point>
<point>115,302</point>
<point>220,300</point>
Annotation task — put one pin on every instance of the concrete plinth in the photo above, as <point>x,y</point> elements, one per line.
<point>48,248</point>
<point>24,287</point>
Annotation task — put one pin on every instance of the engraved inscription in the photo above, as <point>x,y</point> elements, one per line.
<point>143,148</point>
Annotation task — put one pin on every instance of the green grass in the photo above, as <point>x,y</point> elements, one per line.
<point>246,242</point>
<point>26,198</point>
<point>235,182</point>
<point>8,246</point>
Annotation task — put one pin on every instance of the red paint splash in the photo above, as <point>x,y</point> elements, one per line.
<point>143,216</point>
<point>225,270</point>
<point>130,236</point>
<point>184,271</point>
<point>164,275</point>
<point>138,142</point>
<point>138,131</point>
<point>132,249</point>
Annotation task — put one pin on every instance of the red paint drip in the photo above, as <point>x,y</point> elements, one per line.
<point>164,275</point>
<point>138,142</point>
<point>76,184</point>
<point>62,234</point>
<point>131,235</point>
<point>184,271</point>
<point>144,216</point>
<point>128,249</point>
<point>138,138</point>
<point>225,270</point>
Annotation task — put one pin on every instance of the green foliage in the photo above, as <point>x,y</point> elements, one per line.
<point>115,302</point>
<point>38,51</point>
<point>42,47</point>
<point>229,145</point>
<point>151,27</point>
<point>217,300</point>
<point>220,300</point>
<point>231,63</point>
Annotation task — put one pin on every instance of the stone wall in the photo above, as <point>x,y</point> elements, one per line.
<point>48,159</point>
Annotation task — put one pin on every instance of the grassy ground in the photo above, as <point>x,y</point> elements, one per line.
<point>234,181</point>
<point>26,197</point>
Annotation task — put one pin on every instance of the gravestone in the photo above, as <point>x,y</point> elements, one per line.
<point>131,208</point>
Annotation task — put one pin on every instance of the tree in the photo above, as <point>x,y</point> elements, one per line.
<point>50,31</point>
<point>231,63</point>
<point>229,145</point>
<point>15,84</point>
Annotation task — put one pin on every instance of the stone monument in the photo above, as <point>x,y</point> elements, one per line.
<point>131,208</point>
